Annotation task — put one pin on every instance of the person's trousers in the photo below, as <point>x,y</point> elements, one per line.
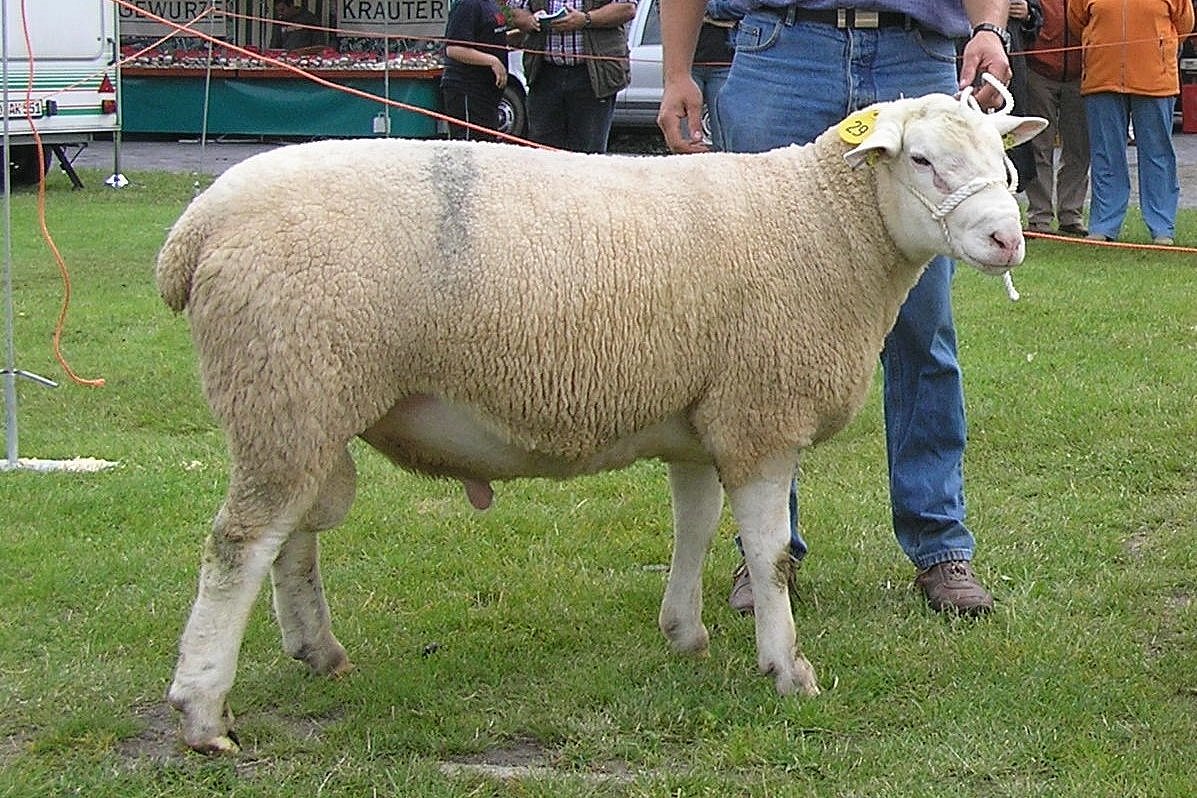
<point>789,82</point>
<point>1053,194</point>
<point>1110,114</point>
<point>472,108</point>
<point>564,113</point>
<point>710,80</point>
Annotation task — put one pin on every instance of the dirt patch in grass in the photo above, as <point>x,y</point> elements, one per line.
<point>1172,626</point>
<point>13,745</point>
<point>1137,543</point>
<point>158,740</point>
<point>527,759</point>
<point>519,753</point>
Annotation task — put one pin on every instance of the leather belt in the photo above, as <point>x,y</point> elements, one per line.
<point>848,17</point>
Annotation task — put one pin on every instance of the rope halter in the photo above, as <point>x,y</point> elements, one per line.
<point>939,211</point>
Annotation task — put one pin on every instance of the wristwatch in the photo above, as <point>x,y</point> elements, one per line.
<point>996,30</point>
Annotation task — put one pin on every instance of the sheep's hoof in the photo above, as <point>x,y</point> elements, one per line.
<point>225,745</point>
<point>685,638</point>
<point>694,645</point>
<point>798,678</point>
<point>329,659</point>
<point>343,668</point>
<point>211,738</point>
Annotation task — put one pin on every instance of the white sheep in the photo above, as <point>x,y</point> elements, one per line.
<point>719,312</point>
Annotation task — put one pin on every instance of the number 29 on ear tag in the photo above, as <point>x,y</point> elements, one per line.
<point>857,126</point>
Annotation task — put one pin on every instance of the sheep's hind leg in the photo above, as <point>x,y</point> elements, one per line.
<point>299,602</point>
<point>761,509</point>
<point>697,501</point>
<point>246,538</point>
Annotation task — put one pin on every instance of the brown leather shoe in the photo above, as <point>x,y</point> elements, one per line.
<point>740,599</point>
<point>953,587</point>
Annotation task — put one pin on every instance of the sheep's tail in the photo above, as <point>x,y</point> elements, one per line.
<point>177,261</point>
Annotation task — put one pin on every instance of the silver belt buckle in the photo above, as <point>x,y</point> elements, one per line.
<point>867,19</point>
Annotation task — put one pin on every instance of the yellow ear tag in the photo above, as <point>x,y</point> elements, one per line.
<point>857,127</point>
<point>1008,141</point>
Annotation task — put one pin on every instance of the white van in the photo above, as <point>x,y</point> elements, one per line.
<point>73,52</point>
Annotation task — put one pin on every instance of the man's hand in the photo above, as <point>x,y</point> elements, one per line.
<point>681,111</point>
<point>522,20</point>
<point>985,53</point>
<point>680,117</point>
<point>500,70</point>
<point>574,20</point>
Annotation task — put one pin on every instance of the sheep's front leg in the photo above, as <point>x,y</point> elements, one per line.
<point>761,509</point>
<point>234,566</point>
<point>299,603</point>
<point>697,500</point>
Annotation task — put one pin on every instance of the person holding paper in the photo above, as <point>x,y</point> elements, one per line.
<point>575,62</point>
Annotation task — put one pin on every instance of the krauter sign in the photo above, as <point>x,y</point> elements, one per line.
<point>398,17</point>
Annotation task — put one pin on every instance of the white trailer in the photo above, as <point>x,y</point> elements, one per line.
<point>71,48</point>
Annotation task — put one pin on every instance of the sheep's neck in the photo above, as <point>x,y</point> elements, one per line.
<point>870,270</point>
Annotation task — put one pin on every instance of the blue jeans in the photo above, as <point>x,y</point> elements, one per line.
<point>710,80</point>
<point>1109,114</point>
<point>789,82</point>
<point>564,113</point>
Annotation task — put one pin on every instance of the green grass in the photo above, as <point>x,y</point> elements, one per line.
<point>527,634</point>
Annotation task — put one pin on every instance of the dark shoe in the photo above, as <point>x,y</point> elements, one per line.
<point>953,587</point>
<point>740,599</point>
<point>1039,228</point>
<point>1073,230</point>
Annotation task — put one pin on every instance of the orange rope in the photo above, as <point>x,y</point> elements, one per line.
<point>1114,244</point>
<point>64,272</point>
<point>451,120</point>
<point>326,83</point>
<point>89,79</point>
<point>41,216</point>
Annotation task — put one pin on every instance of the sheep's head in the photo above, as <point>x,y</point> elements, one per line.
<point>944,183</point>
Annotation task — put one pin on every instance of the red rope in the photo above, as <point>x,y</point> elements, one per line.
<point>60,324</point>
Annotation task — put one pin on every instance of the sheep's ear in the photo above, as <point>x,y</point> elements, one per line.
<point>884,141</point>
<point>1017,129</point>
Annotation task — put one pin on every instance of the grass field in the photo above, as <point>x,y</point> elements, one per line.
<point>515,652</point>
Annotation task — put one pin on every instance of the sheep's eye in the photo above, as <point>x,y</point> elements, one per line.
<point>920,160</point>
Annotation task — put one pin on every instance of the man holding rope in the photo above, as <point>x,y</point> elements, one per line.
<point>801,66</point>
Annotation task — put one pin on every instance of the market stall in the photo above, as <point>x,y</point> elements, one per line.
<point>184,86</point>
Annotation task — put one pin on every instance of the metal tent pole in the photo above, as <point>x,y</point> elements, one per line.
<point>10,365</point>
<point>10,371</point>
<point>117,179</point>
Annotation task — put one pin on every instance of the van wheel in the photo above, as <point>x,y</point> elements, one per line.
<point>513,111</point>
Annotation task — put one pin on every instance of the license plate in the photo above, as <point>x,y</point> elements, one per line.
<point>20,109</point>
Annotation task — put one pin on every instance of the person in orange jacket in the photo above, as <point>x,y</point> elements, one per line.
<point>1054,93</point>
<point>1130,75</point>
